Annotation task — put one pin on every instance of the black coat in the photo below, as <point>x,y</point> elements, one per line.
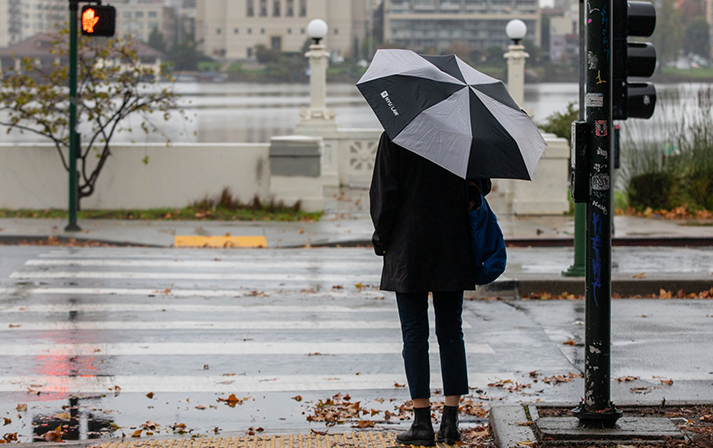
<point>420,216</point>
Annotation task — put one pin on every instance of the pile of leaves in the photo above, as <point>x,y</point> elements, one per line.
<point>55,241</point>
<point>340,409</point>
<point>662,294</point>
<point>682,212</point>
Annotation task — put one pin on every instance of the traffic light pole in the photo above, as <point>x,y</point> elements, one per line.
<point>580,210</point>
<point>73,136</point>
<point>597,407</point>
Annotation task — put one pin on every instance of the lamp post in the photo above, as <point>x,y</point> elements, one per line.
<point>516,55</point>
<point>318,61</point>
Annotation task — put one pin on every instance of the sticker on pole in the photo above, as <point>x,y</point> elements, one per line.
<point>594,100</point>
<point>601,128</point>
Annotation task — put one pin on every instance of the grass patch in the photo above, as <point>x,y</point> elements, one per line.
<point>224,207</point>
<point>702,73</point>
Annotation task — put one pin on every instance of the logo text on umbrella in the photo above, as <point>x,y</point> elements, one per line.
<point>385,96</point>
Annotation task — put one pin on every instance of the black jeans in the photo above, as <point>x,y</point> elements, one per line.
<point>413,312</point>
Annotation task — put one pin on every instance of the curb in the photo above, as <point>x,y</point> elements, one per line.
<point>16,240</point>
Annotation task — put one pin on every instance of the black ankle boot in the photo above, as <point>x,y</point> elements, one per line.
<point>421,430</point>
<point>449,432</point>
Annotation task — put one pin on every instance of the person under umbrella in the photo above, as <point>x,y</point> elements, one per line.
<point>438,133</point>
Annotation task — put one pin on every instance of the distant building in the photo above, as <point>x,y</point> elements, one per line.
<point>139,18</point>
<point>20,19</point>
<point>440,24</point>
<point>563,33</point>
<point>708,6</point>
<point>39,49</point>
<point>230,29</point>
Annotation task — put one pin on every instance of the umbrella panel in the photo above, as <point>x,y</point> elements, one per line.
<point>398,99</point>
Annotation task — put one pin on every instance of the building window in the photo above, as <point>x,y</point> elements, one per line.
<point>153,14</point>
<point>218,31</point>
<point>251,8</point>
<point>336,30</point>
<point>275,8</point>
<point>139,14</point>
<point>303,8</point>
<point>250,52</point>
<point>262,30</point>
<point>302,31</point>
<point>250,30</point>
<point>289,30</point>
<point>263,8</point>
<point>127,14</point>
<point>236,31</point>
<point>290,8</point>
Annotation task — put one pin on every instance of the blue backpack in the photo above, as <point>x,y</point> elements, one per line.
<point>488,244</point>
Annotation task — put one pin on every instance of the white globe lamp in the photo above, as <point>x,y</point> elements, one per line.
<point>516,30</point>
<point>317,30</point>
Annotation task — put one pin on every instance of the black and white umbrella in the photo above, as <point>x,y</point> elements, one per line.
<point>450,113</point>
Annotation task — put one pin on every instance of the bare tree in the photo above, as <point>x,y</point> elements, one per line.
<point>113,84</point>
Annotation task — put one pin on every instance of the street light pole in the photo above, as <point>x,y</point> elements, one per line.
<point>516,56</point>
<point>73,136</point>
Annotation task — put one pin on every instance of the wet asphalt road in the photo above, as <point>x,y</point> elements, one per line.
<point>191,326</point>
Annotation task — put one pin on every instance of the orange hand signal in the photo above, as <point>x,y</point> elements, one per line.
<point>89,19</point>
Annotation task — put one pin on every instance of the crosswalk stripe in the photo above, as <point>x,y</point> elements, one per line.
<point>217,348</point>
<point>193,308</point>
<point>362,255</point>
<point>316,277</point>
<point>205,325</point>
<point>246,264</point>
<point>226,384</point>
<point>334,293</point>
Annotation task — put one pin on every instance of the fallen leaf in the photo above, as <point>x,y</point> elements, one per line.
<point>570,342</point>
<point>150,394</point>
<point>641,390</point>
<point>641,275</point>
<point>7,421</point>
<point>150,426</point>
<point>364,424</point>
<point>667,382</point>
<point>200,407</point>
<point>231,401</point>
<point>14,326</point>
<point>9,437</point>
<point>399,385</point>
<point>136,433</point>
<point>626,379</point>
<point>297,398</point>
<point>21,407</point>
<point>53,436</point>
<point>321,433</point>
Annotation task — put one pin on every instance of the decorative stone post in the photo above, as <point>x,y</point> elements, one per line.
<point>516,55</point>
<point>318,120</point>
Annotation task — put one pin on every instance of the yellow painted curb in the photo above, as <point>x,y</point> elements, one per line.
<point>366,439</point>
<point>220,241</point>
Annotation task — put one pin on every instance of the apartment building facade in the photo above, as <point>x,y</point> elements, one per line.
<point>439,24</point>
<point>139,18</point>
<point>230,29</point>
<point>21,19</point>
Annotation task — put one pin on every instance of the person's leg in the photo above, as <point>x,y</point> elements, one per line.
<point>413,313</point>
<point>454,370</point>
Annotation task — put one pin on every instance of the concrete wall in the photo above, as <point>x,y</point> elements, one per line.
<point>31,176</point>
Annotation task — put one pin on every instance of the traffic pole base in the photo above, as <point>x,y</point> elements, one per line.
<point>603,419</point>
<point>72,227</point>
<point>575,271</point>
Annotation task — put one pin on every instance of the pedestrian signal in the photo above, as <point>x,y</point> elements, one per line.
<point>98,20</point>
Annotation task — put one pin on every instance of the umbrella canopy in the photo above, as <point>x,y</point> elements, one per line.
<point>448,112</point>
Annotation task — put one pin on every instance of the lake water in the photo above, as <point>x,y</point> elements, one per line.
<point>247,113</point>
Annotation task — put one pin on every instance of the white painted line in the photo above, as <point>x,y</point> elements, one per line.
<point>362,255</point>
<point>192,308</point>
<point>226,384</point>
<point>183,292</point>
<point>316,277</point>
<point>218,348</point>
<point>207,325</point>
<point>275,263</point>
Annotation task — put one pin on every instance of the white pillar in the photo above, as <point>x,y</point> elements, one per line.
<point>516,56</point>
<point>318,61</point>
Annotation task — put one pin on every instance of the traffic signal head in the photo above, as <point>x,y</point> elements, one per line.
<point>98,20</point>
<point>633,100</point>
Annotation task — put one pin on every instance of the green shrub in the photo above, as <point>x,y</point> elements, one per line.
<point>658,190</point>
<point>560,123</point>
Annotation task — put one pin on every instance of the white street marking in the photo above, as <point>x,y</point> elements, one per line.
<point>193,308</point>
<point>212,264</point>
<point>217,348</point>
<point>180,292</point>
<point>225,384</point>
<point>316,277</point>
